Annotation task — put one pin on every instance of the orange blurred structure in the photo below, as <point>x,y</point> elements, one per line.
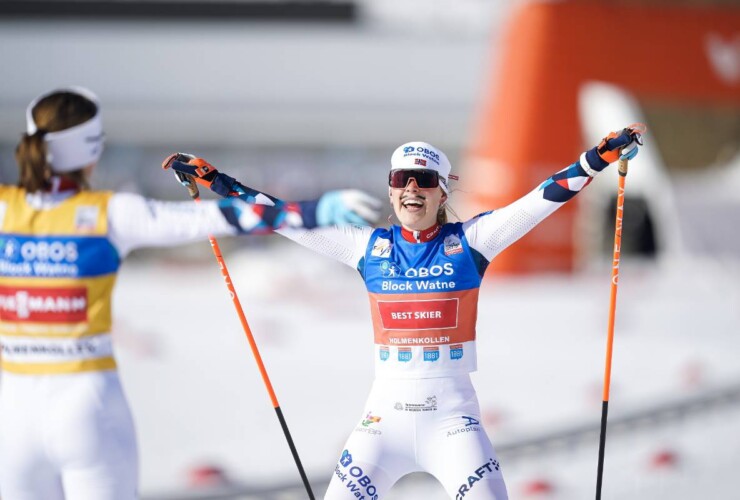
<point>529,123</point>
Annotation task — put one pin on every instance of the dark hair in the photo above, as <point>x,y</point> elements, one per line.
<point>55,112</point>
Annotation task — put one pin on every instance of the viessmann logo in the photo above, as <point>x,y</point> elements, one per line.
<point>43,304</point>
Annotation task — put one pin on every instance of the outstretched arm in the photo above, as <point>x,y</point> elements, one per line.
<point>334,225</point>
<point>334,207</point>
<point>491,232</point>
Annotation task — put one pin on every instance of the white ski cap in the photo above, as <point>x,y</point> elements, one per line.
<point>75,147</point>
<point>419,156</point>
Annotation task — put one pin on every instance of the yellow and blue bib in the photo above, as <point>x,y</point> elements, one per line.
<point>57,272</point>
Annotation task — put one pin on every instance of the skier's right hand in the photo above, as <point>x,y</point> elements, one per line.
<point>190,168</point>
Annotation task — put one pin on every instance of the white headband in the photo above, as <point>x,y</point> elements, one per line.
<point>75,147</point>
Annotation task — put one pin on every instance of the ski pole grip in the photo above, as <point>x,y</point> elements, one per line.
<point>623,166</point>
<point>193,190</point>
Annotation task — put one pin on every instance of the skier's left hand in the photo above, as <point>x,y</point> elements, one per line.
<point>616,145</point>
<point>347,206</point>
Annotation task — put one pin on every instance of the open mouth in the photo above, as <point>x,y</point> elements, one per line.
<point>413,204</point>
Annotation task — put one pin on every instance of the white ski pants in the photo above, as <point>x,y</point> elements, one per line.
<point>430,425</point>
<point>66,437</point>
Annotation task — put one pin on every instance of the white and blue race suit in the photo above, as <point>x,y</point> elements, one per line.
<point>422,413</point>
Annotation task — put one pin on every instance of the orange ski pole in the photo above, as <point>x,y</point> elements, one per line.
<point>195,195</point>
<point>623,166</point>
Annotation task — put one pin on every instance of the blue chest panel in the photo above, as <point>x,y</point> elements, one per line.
<point>393,265</point>
<point>57,256</point>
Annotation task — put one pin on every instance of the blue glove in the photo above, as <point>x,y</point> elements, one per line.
<point>348,206</point>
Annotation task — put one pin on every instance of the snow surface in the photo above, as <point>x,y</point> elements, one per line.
<point>198,398</point>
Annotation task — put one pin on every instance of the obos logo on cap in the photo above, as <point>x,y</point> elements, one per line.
<point>421,155</point>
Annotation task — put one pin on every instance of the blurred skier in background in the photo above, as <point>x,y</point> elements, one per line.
<point>423,277</point>
<point>66,431</point>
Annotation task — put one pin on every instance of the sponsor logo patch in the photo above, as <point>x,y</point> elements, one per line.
<point>429,404</point>
<point>384,353</point>
<point>389,269</point>
<point>381,248</point>
<point>370,419</point>
<point>366,425</point>
<point>470,424</point>
<point>43,305</point>
<point>431,353</point>
<point>404,354</point>
<point>456,351</point>
<point>86,218</point>
<point>359,484</point>
<point>452,245</point>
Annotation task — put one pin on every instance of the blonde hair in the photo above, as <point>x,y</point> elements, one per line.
<point>442,215</point>
<point>55,112</point>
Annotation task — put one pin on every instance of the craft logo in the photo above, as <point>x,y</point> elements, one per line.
<point>43,305</point>
<point>431,353</point>
<point>452,245</point>
<point>456,351</point>
<point>381,248</point>
<point>359,484</point>
<point>384,353</point>
<point>404,354</point>
<point>421,162</point>
<point>486,469</point>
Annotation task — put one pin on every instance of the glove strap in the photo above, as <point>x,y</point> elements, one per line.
<point>594,160</point>
<point>222,185</point>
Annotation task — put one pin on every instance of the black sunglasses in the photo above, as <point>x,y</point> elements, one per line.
<point>425,179</point>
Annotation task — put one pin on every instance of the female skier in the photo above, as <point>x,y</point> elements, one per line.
<point>65,427</point>
<point>423,278</point>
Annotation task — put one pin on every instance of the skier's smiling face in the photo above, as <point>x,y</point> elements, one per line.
<point>416,208</point>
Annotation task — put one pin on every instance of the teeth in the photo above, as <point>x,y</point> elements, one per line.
<point>417,203</point>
